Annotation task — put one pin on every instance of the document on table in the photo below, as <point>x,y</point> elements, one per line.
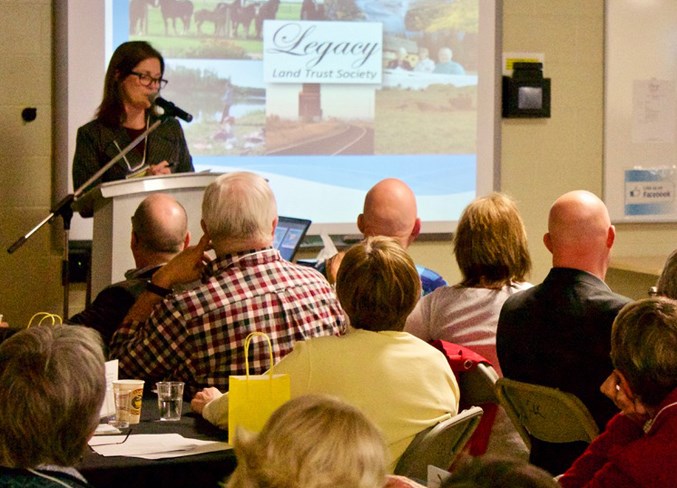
<point>153,446</point>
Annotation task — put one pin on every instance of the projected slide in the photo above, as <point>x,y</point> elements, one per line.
<point>403,104</point>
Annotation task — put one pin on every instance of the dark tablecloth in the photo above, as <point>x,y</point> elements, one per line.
<point>201,470</point>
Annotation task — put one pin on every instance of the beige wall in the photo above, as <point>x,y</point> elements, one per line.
<point>540,159</point>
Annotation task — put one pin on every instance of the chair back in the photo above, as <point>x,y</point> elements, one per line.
<point>478,385</point>
<point>438,445</point>
<point>547,414</point>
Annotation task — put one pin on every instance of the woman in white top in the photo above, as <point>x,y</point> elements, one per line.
<point>490,246</point>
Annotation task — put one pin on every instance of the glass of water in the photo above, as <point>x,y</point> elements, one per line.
<point>170,400</point>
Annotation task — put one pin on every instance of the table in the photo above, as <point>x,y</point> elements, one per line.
<point>201,470</point>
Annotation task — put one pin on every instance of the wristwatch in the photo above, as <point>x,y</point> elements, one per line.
<point>158,290</point>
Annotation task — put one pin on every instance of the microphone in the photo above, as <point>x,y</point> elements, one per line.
<point>172,110</point>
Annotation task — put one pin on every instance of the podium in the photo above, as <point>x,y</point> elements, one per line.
<point>112,205</point>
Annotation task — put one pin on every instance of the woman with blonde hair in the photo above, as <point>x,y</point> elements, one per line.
<point>312,441</point>
<point>401,384</point>
<point>490,245</point>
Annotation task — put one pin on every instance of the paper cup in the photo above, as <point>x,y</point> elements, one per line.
<point>135,387</point>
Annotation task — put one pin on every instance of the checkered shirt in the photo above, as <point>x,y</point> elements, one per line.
<point>197,336</point>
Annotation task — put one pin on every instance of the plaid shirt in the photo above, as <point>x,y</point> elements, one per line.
<point>197,336</point>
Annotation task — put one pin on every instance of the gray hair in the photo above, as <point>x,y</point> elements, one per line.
<point>239,207</point>
<point>52,385</point>
<point>644,347</point>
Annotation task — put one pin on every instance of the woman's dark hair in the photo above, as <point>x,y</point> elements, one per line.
<point>498,472</point>
<point>111,111</point>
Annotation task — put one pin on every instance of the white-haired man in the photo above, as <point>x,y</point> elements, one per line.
<point>197,336</point>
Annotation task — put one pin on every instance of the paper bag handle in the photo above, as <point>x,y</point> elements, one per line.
<point>247,341</point>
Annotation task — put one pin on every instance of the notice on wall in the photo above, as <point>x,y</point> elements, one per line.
<point>653,111</point>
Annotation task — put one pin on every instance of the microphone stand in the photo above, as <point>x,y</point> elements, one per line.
<point>64,210</point>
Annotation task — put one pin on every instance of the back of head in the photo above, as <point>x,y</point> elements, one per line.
<point>492,472</point>
<point>121,64</point>
<point>644,347</point>
<point>160,224</point>
<point>312,442</point>
<point>52,385</point>
<point>239,208</point>
<point>377,284</point>
<point>667,282</point>
<point>580,233</point>
<point>390,210</point>
<point>490,243</point>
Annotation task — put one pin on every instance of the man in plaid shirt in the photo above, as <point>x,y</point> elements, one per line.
<point>197,336</point>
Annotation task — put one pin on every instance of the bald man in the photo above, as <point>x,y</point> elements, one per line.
<point>159,232</point>
<point>390,210</point>
<point>558,333</point>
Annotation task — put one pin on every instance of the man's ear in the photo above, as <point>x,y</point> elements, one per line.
<point>186,240</point>
<point>416,230</point>
<point>547,240</point>
<point>611,236</point>
<point>360,223</point>
<point>275,221</point>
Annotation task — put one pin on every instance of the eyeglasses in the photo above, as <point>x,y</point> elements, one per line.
<point>147,80</point>
<point>129,432</point>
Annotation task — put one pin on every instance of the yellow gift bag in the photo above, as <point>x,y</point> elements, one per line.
<point>253,398</point>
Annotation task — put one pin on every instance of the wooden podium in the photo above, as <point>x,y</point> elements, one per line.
<point>112,205</point>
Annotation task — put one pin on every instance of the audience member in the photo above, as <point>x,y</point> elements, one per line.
<point>667,281</point>
<point>498,472</point>
<point>197,335</point>
<point>133,79</point>
<point>445,64</point>
<point>401,383</point>
<point>52,385</point>
<point>401,61</point>
<point>311,441</point>
<point>159,232</point>
<point>638,446</point>
<point>490,245</point>
<point>389,210</point>
<point>424,64</point>
<point>557,333</point>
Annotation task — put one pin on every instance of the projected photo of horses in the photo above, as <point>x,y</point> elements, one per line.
<point>232,27</point>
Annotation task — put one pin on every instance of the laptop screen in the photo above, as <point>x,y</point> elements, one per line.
<point>289,234</point>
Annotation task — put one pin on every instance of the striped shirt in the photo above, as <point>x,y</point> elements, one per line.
<point>197,336</point>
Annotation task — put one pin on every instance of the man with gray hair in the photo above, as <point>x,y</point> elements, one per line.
<point>159,232</point>
<point>197,336</point>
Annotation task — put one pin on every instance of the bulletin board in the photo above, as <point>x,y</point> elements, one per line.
<point>640,114</point>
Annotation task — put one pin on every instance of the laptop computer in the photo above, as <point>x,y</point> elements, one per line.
<point>289,234</point>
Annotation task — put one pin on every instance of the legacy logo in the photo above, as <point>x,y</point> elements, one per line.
<point>322,52</point>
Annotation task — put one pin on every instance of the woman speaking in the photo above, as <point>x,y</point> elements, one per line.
<point>133,80</point>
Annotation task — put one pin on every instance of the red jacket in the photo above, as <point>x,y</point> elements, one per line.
<point>623,456</point>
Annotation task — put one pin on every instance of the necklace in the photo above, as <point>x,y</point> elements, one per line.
<point>131,168</point>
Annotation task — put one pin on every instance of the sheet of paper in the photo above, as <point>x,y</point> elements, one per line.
<point>153,446</point>
<point>108,406</point>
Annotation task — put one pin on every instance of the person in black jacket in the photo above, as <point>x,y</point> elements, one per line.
<point>159,232</point>
<point>133,80</point>
<point>558,333</point>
